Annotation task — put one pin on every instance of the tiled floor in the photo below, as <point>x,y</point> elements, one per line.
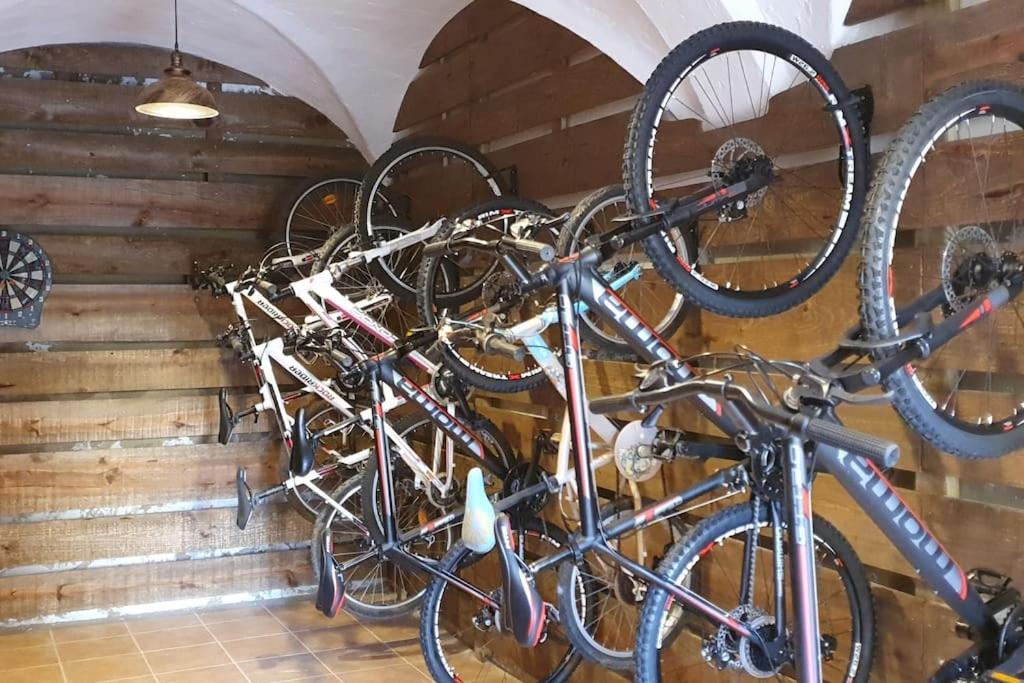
<point>279,642</point>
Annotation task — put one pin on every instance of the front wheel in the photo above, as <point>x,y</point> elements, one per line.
<point>461,640</point>
<point>673,644</point>
<point>944,225</point>
<point>715,106</point>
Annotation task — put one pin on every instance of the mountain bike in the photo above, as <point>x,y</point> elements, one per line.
<point>577,279</point>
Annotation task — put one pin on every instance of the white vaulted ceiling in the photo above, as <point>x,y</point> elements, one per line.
<point>354,59</point>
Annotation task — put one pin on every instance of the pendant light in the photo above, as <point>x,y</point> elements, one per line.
<point>176,95</point>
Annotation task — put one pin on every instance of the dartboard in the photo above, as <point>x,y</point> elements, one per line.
<point>25,280</point>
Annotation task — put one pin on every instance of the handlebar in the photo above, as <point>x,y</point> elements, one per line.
<point>496,344</point>
<point>883,453</point>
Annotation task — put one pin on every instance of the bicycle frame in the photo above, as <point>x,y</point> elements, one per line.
<point>578,281</point>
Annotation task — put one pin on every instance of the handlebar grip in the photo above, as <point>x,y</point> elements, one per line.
<point>435,248</point>
<point>341,359</point>
<point>614,404</point>
<point>498,345</point>
<point>883,453</point>
<point>544,252</point>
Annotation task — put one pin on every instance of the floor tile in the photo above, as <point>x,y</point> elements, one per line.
<point>105,668</point>
<point>402,635</point>
<point>215,674</point>
<point>249,627</point>
<point>99,647</point>
<point>400,672</point>
<point>35,637</point>
<point>24,657</point>
<point>37,674</point>
<point>192,657</point>
<point>347,635</point>
<point>302,615</point>
<point>350,659</point>
<point>102,629</point>
<point>179,637</point>
<point>275,669</point>
<point>219,614</point>
<point>164,622</point>
<point>263,646</point>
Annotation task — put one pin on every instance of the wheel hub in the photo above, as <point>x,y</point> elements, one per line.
<point>733,162</point>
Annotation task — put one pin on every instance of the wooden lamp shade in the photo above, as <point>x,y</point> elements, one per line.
<point>177,95</point>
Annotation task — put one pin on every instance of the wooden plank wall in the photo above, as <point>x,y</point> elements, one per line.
<point>535,96</point>
<point>113,490</point>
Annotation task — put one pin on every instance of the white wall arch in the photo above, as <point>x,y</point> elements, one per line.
<point>354,59</point>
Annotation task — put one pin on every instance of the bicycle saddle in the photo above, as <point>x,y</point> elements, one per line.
<point>303,449</point>
<point>522,607</point>
<point>330,594</point>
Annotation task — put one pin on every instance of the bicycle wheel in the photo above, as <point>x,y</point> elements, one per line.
<point>952,228</point>
<point>743,83</point>
<point>649,295</point>
<point>462,641</point>
<point>480,284</point>
<point>601,621</point>
<point>378,588</point>
<point>427,178</point>
<point>415,505</point>
<point>359,282</point>
<point>349,440</point>
<point>315,210</point>
<point>676,645</point>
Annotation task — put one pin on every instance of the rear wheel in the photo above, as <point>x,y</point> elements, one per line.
<point>673,644</point>
<point>425,179</point>
<point>461,639</point>
<point>377,588</point>
<point>943,219</point>
<point>714,108</point>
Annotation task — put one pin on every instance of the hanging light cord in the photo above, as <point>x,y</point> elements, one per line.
<point>175,25</point>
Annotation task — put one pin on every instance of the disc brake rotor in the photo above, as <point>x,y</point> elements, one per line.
<point>731,153</point>
<point>966,247</point>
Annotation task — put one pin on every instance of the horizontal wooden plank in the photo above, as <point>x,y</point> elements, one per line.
<point>81,372</point>
<point>133,313</point>
<point>97,60</point>
<point>52,152</point>
<point>484,67</point>
<point>26,102</point>
<point>63,545</point>
<point>143,257</point>
<point>134,203</point>
<point>474,22</point>
<point>102,589</point>
<point>577,88</point>
<point>102,481</point>
<point>42,422</point>
<point>981,41</point>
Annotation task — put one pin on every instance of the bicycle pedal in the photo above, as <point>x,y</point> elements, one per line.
<point>523,609</point>
<point>987,582</point>
<point>246,504</point>
<point>330,594</point>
